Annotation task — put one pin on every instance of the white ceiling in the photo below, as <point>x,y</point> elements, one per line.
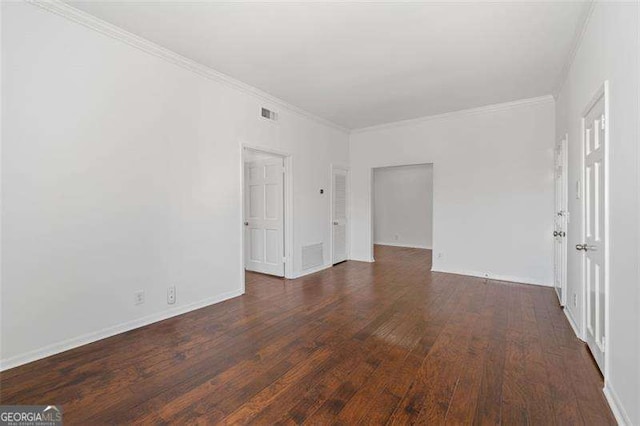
<point>362,64</point>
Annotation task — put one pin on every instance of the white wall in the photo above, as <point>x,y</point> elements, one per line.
<point>122,171</point>
<point>403,206</point>
<point>492,188</point>
<point>609,51</point>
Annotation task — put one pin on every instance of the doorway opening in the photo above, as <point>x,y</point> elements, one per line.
<point>339,214</point>
<point>402,211</point>
<point>266,222</point>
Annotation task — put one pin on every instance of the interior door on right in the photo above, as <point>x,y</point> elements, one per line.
<point>339,220</point>
<point>594,221</point>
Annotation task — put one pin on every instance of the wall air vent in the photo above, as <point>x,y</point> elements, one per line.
<point>268,114</point>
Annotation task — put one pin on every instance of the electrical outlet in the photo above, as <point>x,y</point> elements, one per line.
<point>171,295</point>
<point>575,300</point>
<point>138,297</point>
<point>440,255</point>
<point>396,237</point>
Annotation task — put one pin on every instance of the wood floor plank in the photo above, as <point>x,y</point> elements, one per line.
<point>388,342</point>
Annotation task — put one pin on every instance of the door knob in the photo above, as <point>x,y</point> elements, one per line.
<point>556,233</point>
<point>246,224</point>
<point>335,222</point>
<point>581,247</point>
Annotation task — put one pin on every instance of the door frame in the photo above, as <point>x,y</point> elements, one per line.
<point>371,209</point>
<point>601,92</point>
<point>288,206</point>
<point>345,168</point>
<point>565,209</point>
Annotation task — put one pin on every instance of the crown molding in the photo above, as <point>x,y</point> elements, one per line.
<point>97,24</point>
<point>575,46</point>
<point>471,111</point>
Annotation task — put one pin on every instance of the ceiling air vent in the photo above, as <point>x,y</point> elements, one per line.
<point>268,114</point>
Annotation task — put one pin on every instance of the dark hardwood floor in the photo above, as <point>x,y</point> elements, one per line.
<point>389,342</point>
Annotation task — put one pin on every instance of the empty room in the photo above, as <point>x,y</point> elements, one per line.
<point>403,210</point>
<point>320,212</point>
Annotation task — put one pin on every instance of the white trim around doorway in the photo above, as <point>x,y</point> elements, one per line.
<point>288,207</point>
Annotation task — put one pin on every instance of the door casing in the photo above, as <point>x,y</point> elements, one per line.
<point>288,206</point>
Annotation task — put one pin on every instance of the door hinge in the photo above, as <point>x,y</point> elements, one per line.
<point>602,121</point>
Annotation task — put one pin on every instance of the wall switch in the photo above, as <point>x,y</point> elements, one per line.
<point>575,300</point>
<point>171,295</point>
<point>138,297</point>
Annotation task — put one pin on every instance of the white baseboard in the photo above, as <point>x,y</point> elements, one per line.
<point>494,277</point>
<point>616,406</point>
<point>404,245</point>
<point>310,271</point>
<point>572,322</point>
<point>611,396</point>
<point>363,259</point>
<point>85,339</point>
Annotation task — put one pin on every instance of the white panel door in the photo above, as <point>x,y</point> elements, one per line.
<point>340,217</point>
<point>264,216</point>
<point>560,221</point>
<point>594,229</point>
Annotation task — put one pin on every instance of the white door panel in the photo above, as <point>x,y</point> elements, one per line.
<point>339,215</point>
<point>594,230</point>
<point>264,216</point>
